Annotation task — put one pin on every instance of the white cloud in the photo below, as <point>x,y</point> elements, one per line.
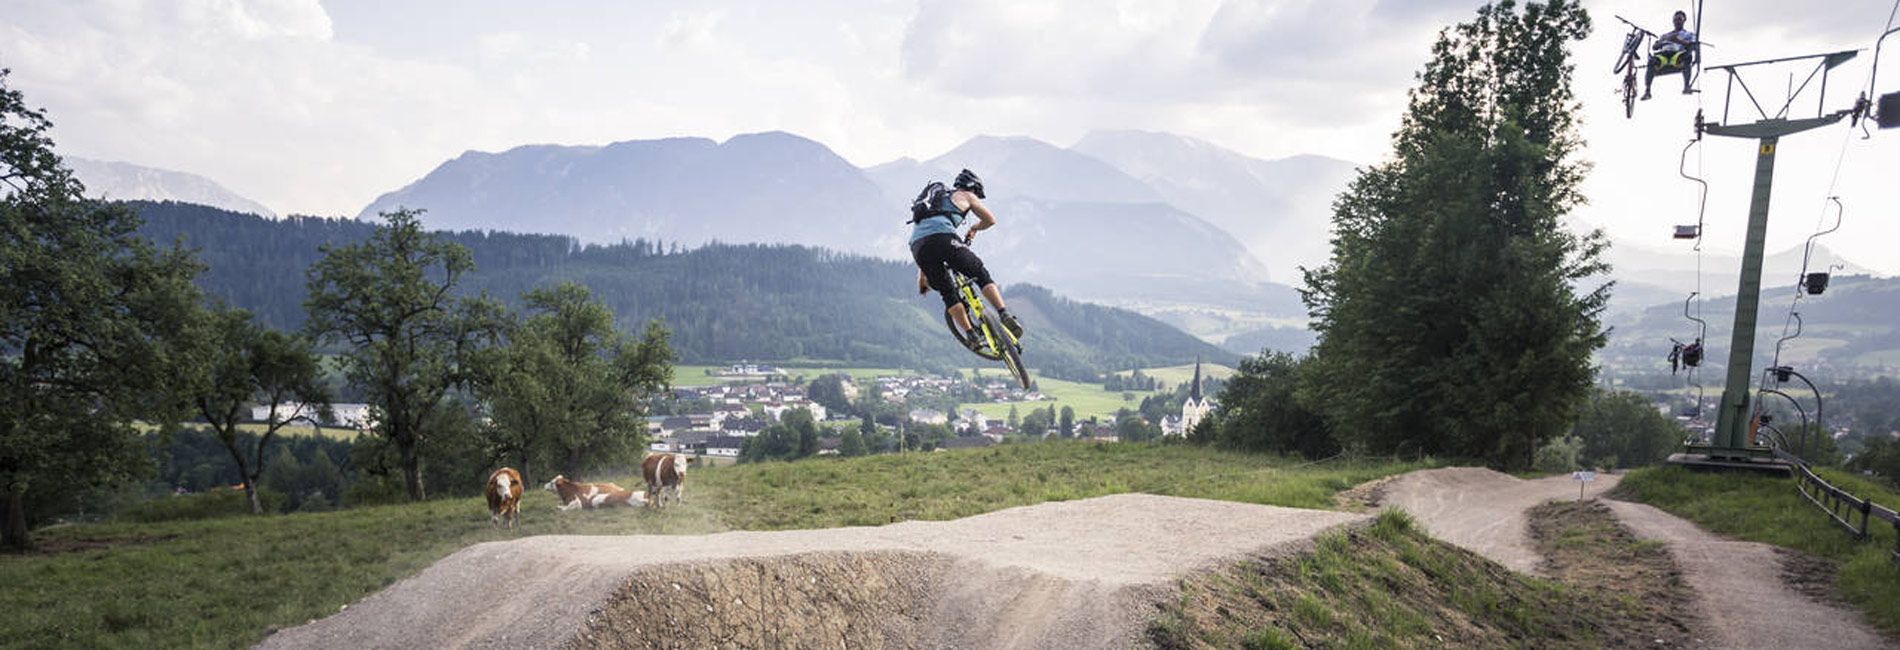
<point>318,111</point>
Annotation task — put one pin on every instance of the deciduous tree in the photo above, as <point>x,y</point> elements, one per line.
<point>409,338</point>
<point>235,362</point>
<point>571,387</point>
<point>87,314</point>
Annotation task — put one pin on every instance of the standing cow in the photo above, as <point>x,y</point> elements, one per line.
<point>666,477</point>
<point>504,496</point>
<point>588,496</point>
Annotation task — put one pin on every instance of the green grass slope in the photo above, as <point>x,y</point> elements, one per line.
<point>223,583</point>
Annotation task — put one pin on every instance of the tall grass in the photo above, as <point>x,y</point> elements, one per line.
<point>222,583</point>
<point>1768,509</point>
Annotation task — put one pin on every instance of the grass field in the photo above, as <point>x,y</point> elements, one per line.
<point>222,583</point>
<point>1768,509</point>
<point>299,429</point>
<point>1176,375</point>
<point>1087,399</point>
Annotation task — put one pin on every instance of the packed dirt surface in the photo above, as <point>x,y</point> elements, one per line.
<point>1484,511</point>
<point>1742,598</point>
<point>1075,574</point>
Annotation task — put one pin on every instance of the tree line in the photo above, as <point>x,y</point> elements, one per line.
<point>102,329</point>
<point>721,301</point>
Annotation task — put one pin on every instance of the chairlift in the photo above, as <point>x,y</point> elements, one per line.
<point>1815,283</point>
<point>1690,231</point>
<point>1888,114</point>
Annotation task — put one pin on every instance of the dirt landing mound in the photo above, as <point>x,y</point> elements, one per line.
<point>1078,574</point>
<point>1484,510</point>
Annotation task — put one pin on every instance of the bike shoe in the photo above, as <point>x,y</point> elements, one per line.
<point>1009,321</point>
<point>975,342</point>
<point>1645,95</point>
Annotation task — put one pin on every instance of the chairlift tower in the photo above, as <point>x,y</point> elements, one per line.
<point>1733,443</point>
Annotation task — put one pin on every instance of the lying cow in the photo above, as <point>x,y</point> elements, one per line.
<point>593,495</point>
<point>666,476</point>
<point>504,496</point>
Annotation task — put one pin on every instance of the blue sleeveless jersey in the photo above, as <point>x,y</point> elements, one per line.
<point>940,223</point>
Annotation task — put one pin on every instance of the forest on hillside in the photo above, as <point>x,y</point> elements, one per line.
<point>722,302</point>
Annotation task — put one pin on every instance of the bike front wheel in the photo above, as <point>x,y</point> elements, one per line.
<point>1629,94</point>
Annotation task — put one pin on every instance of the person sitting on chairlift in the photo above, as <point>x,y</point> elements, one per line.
<point>1685,355</point>
<point>1673,52</point>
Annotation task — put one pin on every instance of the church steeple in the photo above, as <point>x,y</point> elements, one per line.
<point>1194,392</point>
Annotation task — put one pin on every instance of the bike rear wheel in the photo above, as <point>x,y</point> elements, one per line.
<point>1012,351</point>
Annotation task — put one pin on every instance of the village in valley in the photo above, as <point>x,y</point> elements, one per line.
<point>714,421</point>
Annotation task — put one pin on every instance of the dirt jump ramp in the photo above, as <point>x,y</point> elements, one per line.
<point>1074,574</point>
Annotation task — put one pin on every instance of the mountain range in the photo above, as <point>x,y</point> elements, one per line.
<point>1176,228</point>
<point>121,181</point>
<point>722,302</point>
<point>1077,223</point>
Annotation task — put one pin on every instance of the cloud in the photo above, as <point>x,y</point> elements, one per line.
<point>236,90</point>
<point>1308,61</point>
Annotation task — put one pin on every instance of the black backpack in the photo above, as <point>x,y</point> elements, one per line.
<point>925,205</point>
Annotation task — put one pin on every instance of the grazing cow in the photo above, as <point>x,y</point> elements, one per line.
<point>593,495</point>
<point>666,476</point>
<point>504,496</point>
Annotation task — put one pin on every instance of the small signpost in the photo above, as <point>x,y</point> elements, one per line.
<point>1582,477</point>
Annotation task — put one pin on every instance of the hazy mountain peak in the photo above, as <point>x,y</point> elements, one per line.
<point>121,181</point>
<point>1025,167</point>
<point>1278,209</point>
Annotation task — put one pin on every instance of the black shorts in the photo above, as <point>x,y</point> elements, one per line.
<point>935,252</point>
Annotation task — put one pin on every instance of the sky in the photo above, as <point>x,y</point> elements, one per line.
<point>319,107</point>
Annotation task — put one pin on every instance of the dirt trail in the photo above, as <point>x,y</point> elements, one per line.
<point>1742,597</point>
<point>1482,510</point>
<point>1076,574</point>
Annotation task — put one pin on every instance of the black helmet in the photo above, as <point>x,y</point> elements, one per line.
<point>967,180</point>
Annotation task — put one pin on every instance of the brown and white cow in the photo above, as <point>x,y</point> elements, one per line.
<point>593,495</point>
<point>666,476</point>
<point>504,496</point>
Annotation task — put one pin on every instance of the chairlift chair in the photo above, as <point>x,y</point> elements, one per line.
<point>1888,115</point>
<point>1815,283</point>
<point>1690,231</point>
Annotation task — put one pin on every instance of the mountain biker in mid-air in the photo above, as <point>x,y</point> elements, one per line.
<point>934,243</point>
<point>1673,52</point>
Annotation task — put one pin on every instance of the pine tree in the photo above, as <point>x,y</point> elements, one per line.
<point>1448,318</point>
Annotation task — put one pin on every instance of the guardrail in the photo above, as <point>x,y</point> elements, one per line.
<point>1840,505</point>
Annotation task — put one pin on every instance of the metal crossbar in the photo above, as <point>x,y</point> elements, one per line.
<point>1828,61</point>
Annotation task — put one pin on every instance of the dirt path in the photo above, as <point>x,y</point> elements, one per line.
<point>1482,510</point>
<point>1076,574</point>
<point>1742,597</point>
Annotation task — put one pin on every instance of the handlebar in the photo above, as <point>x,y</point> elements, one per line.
<point>1635,26</point>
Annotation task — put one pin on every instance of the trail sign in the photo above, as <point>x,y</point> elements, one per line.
<point>1585,476</point>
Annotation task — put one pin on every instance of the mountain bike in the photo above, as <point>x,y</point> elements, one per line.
<point>1626,63</point>
<point>1000,344</point>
